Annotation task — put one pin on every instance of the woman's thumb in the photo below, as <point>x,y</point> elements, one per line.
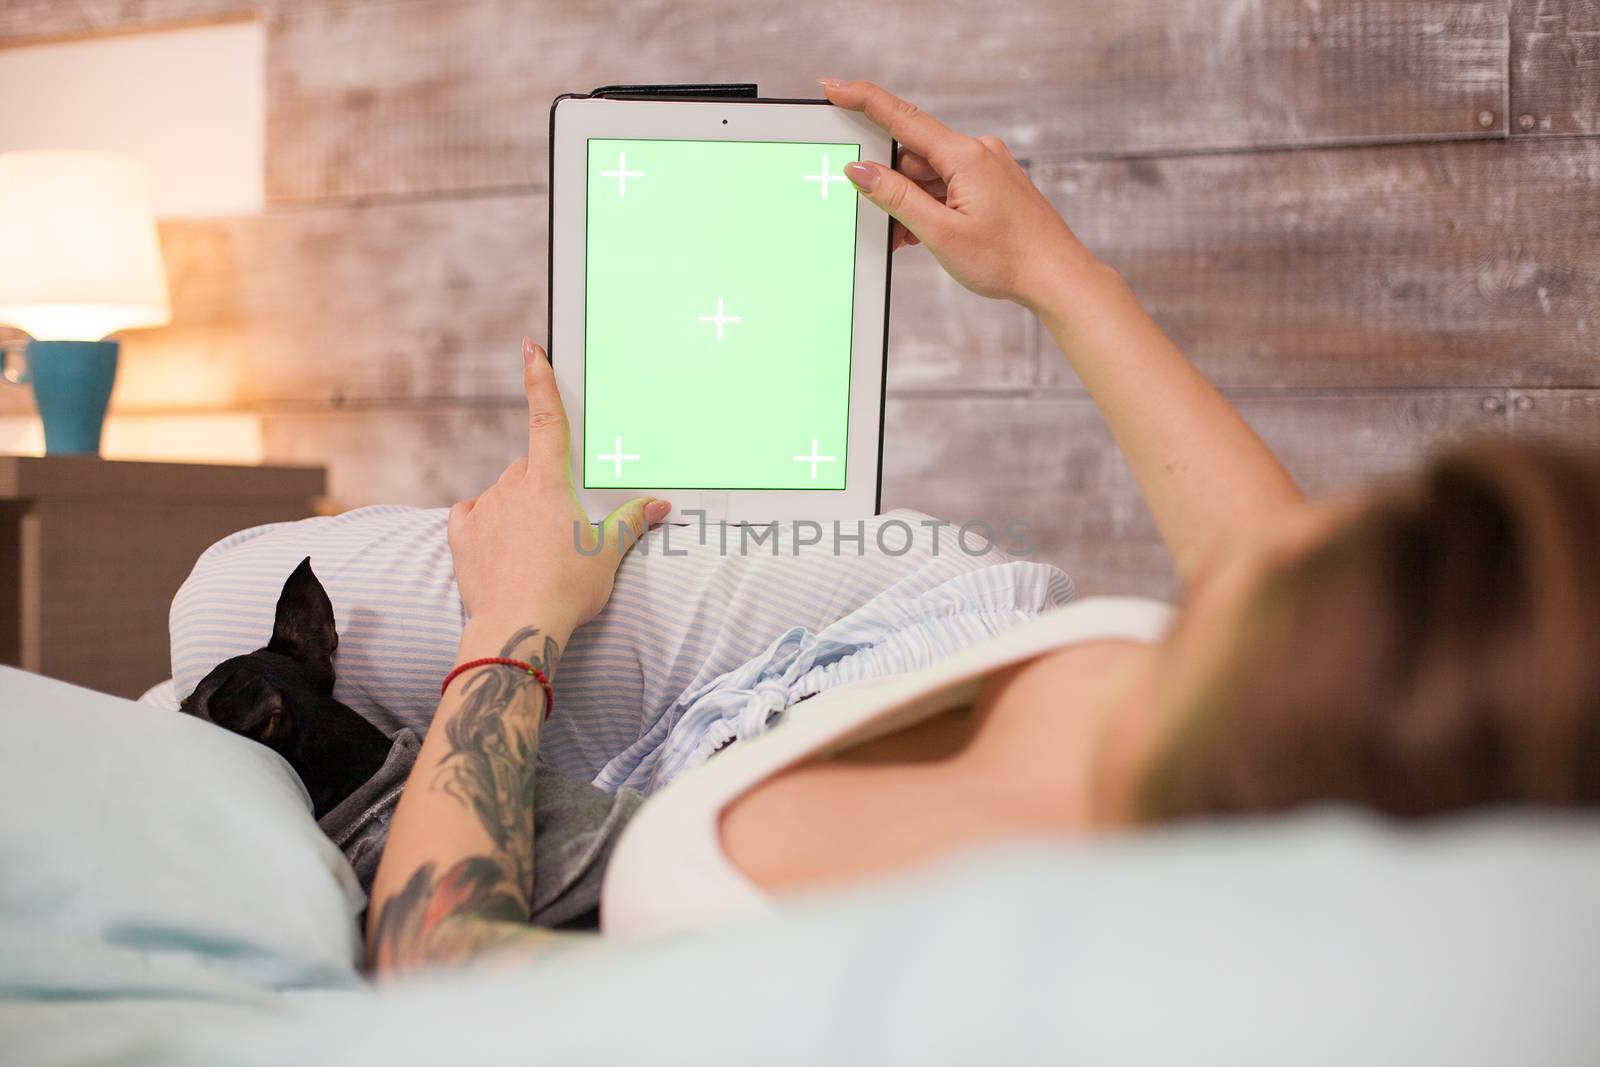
<point>627,523</point>
<point>898,195</point>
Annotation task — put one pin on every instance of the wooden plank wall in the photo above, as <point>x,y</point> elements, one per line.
<point>1375,223</point>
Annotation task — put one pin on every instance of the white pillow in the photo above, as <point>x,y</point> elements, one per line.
<point>145,851</point>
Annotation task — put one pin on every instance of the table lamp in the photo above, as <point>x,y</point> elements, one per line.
<point>79,259</point>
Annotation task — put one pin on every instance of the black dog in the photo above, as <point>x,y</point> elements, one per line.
<point>282,696</point>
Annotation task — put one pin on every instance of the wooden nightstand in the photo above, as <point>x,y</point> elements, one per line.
<point>92,551</point>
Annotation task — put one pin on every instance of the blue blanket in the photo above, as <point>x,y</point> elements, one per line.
<point>1324,940</point>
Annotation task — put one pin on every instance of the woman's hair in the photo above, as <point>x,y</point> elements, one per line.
<point>1440,651</point>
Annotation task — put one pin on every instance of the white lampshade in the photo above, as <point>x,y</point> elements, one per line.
<point>79,253</point>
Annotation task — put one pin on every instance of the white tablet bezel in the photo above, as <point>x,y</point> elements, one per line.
<point>574,121</point>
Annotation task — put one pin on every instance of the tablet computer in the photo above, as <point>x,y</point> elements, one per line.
<point>719,305</point>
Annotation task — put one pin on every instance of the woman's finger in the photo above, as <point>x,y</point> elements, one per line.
<point>458,515</point>
<point>514,472</point>
<point>547,417</point>
<point>900,197</point>
<point>915,167</point>
<point>920,132</point>
<point>624,526</point>
<point>899,236</point>
<point>997,146</point>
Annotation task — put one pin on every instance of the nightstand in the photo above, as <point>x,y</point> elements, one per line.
<point>92,551</point>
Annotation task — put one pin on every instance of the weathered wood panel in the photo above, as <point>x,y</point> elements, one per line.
<point>430,299</point>
<point>428,457</point>
<point>1044,459</point>
<point>1560,414</point>
<point>943,337</point>
<point>423,97</point>
<point>24,20</point>
<point>1555,67</point>
<point>1418,265</point>
<point>407,300</point>
<point>1433,266</point>
<point>39,18</point>
<point>1049,461</point>
<point>1440,265</point>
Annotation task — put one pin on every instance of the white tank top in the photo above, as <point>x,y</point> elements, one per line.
<point>668,870</point>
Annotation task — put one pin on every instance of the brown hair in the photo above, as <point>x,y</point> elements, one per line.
<point>1440,651</point>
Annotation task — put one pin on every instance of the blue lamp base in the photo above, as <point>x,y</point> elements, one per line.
<point>72,383</point>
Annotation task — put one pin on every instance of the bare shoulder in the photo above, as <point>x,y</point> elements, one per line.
<point>1104,652</point>
<point>1076,671</point>
<point>1043,702</point>
<point>894,801</point>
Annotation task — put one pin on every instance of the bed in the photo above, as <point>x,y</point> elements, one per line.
<point>166,898</point>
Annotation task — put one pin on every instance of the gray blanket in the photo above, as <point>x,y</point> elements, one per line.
<point>577,826</point>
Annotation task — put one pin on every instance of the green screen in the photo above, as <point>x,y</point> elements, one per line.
<point>717,314</point>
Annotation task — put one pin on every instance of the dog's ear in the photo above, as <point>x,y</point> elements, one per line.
<point>238,699</point>
<point>253,709</point>
<point>303,629</point>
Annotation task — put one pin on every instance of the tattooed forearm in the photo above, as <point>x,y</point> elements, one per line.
<point>492,744</point>
<point>461,915</point>
<point>422,921</point>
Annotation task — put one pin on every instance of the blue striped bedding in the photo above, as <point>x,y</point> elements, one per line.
<point>641,688</point>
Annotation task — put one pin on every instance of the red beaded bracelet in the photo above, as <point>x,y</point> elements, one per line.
<point>501,661</point>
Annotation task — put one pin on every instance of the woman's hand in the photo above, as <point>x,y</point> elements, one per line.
<point>1207,477</point>
<point>967,199</point>
<point>456,880</point>
<point>515,545</point>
